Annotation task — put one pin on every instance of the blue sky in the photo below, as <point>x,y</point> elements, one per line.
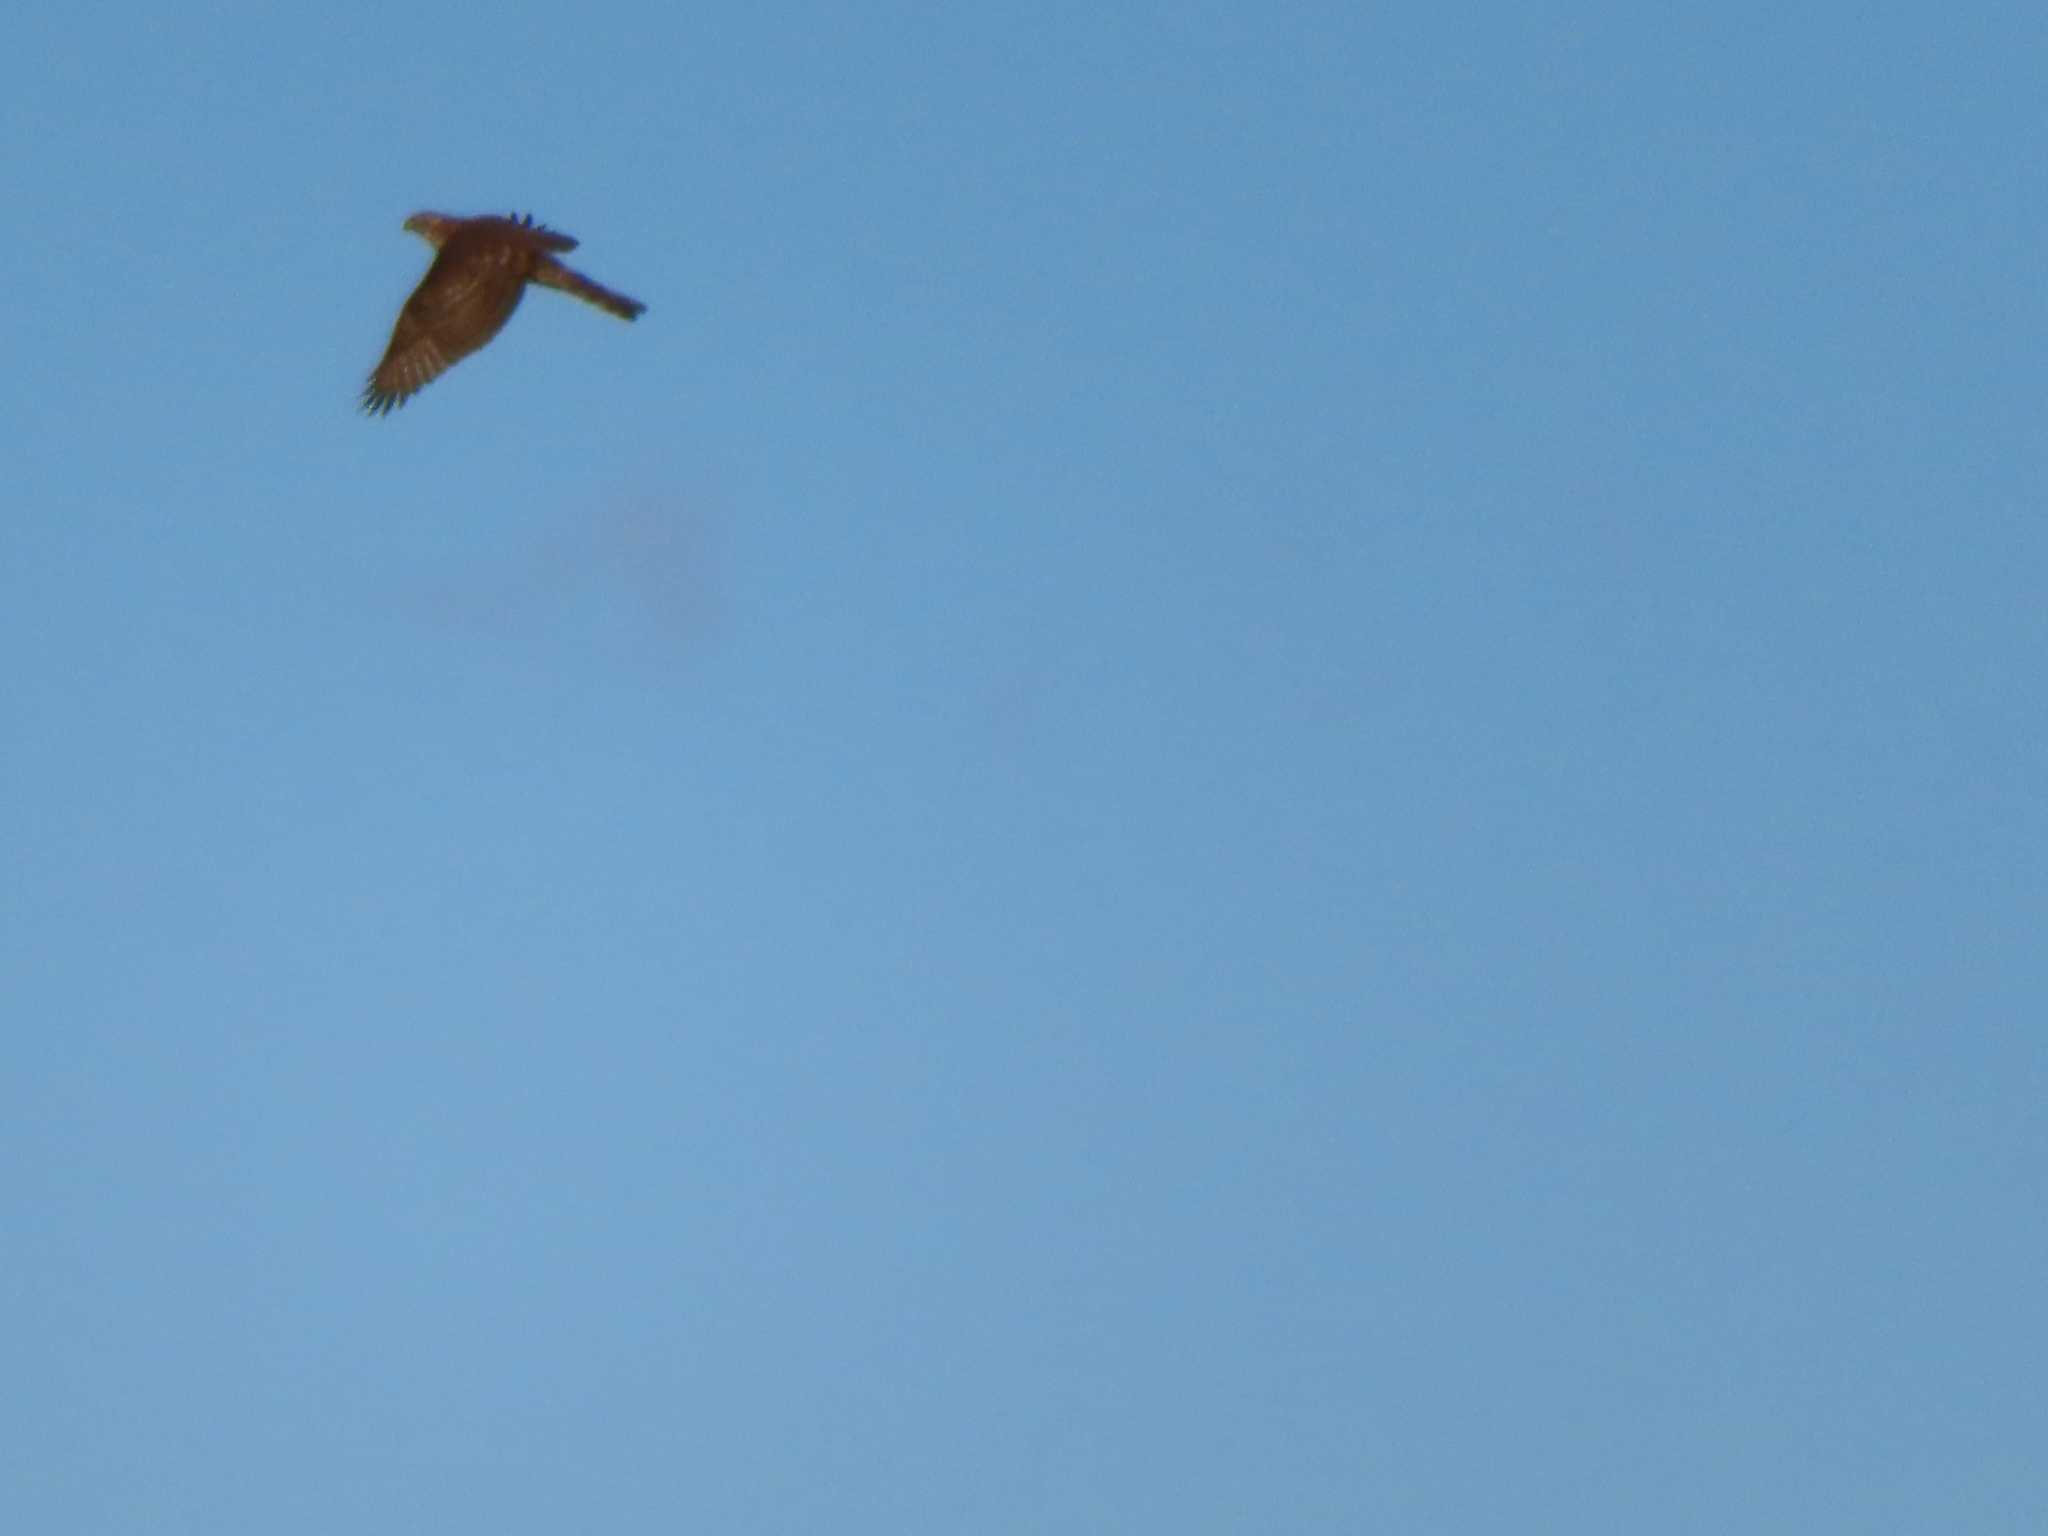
<point>1259,768</point>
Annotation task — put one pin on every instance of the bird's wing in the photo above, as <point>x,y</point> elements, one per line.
<point>463,301</point>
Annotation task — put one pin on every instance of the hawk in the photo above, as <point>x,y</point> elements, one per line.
<point>480,272</point>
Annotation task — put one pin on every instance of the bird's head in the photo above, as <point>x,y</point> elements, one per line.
<point>431,227</point>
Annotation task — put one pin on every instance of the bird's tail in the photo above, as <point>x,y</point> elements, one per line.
<point>550,273</point>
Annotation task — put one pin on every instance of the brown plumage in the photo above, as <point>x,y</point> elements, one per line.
<point>480,272</point>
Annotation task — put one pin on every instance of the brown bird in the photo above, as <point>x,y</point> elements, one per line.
<point>478,277</point>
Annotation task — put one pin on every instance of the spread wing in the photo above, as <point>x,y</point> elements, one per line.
<point>464,300</point>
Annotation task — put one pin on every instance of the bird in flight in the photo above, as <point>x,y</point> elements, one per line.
<point>480,272</point>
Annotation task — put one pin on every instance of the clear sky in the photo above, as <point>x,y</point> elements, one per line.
<point>1261,768</point>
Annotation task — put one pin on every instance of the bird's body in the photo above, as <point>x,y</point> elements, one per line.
<point>480,272</point>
